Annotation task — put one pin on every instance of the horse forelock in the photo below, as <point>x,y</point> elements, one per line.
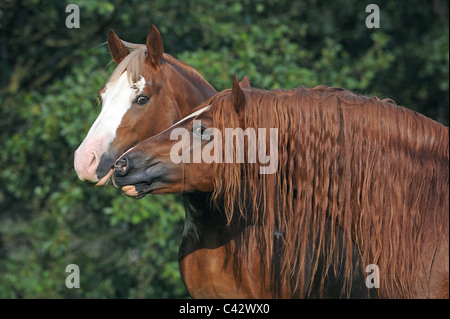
<point>135,62</point>
<point>371,169</point>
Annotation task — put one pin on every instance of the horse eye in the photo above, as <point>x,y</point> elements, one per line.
<point>199,130</point>
<point>142,100</point>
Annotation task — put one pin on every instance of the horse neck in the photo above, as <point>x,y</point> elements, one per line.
<point>189,88</point>
<point>205,225</point>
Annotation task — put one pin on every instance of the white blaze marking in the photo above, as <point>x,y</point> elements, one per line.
<point>140,85</point>
<point>117,99</point>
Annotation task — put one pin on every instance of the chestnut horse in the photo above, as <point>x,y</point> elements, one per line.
<point>147,92</point>
<point>353,174</point>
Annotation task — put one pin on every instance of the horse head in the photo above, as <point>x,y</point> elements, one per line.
<point>148,92</point>
<point>181,158</point>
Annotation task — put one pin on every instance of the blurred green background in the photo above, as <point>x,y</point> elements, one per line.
<point>50,77</point>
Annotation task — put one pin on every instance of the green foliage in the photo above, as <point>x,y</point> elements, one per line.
<point>49,219</point>
<point>51,76</point>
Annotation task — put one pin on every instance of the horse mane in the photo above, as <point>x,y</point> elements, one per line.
<point>377,171</point>
<point>134,64</point>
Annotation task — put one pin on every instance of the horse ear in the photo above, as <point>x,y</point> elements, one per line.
<point>117,49</point>
<point>237,96</point>
<point>155,48</point>
<point>245,83</point>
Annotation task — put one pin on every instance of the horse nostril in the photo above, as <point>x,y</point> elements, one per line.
<point>121,166</point>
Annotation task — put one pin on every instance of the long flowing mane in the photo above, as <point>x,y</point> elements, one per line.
<point>377,171</point>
